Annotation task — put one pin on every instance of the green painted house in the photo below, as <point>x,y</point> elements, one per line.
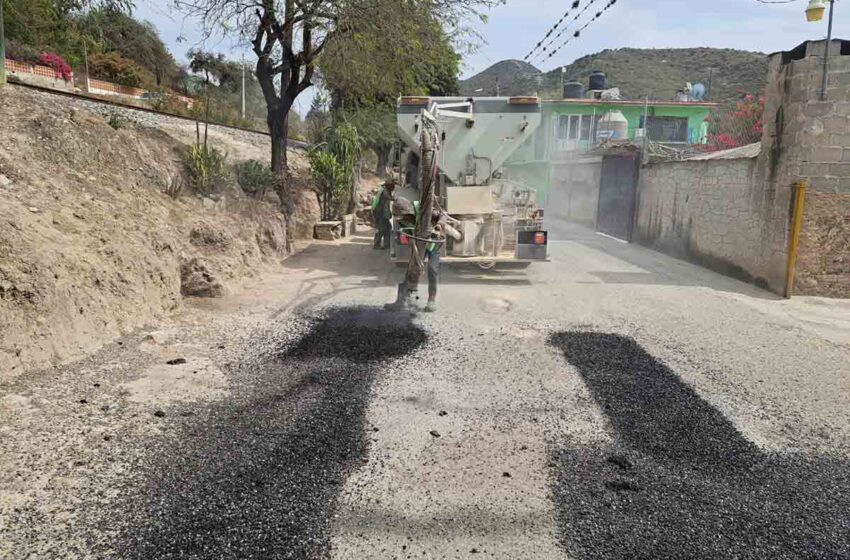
<point>571,127</point>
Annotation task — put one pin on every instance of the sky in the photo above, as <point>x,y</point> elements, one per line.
<point>514,28</point>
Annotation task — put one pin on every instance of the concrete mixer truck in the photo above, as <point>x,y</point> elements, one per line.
<point>495,221</point>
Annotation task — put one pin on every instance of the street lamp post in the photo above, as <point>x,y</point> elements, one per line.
<point>814,12</point>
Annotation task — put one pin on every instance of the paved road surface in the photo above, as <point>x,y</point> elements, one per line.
<point>614,403</point>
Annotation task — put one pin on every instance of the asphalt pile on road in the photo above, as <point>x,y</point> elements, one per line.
<point>679,481</point>
<point>258,475</point>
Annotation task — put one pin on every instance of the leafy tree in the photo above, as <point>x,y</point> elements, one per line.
<point>289,36</point>
<point>49,25</point>
<point>116,31</point>
<point>15,50</point>
<point>112,67</point>
<point>222,82</point>
<point>364,88</point>
<point>318,117</point>
<point>207,63</point>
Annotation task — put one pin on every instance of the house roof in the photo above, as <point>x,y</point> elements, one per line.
<point>644,103</point>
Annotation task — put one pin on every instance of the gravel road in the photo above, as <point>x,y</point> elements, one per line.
<point>615,403</point>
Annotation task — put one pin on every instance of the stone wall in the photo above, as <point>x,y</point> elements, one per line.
<point>823,262</point>
<point>714,213</point>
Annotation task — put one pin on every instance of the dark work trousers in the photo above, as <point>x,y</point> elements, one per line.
<point>433,272</point>
<point>382,236</point>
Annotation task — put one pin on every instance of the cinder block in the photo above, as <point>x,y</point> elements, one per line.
<point>836,124</point>
<point>827,154</point>
<point>842,140</point>
<point>819,108</point>
<point>842,108</point>
<point>824,184</point>
<point>839,169</point>
<point>811,169</point>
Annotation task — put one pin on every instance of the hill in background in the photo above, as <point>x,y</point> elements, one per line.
<point>656,73</point>
<point>509,75</point>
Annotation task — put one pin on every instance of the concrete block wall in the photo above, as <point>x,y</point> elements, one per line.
<point>709,212</point>
<point>806,137</point>
<point>735,215</point>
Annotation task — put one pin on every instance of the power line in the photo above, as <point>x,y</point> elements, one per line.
<point>577,34</point>
<point>561,32</point>
<point>574,5</point>
<point>776,1</point>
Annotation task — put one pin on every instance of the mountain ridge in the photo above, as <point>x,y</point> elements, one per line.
<point>638,73</point>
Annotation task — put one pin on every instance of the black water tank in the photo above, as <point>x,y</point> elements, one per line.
<point>598,81</point>
<point>573,90</point>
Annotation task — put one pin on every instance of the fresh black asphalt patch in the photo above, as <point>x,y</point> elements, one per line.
<point>258,475</point>
<point>679,481</point>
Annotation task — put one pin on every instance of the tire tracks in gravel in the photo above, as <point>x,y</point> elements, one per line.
<point>678,479</point>
<point>257,475</point>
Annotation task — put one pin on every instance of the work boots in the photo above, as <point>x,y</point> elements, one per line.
<point>431,306</point>
<point>403,300</point>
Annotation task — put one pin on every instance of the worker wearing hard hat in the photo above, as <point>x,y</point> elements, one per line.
<point>382,213</point>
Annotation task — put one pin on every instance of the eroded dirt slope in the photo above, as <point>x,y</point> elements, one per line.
<point>90,245</point>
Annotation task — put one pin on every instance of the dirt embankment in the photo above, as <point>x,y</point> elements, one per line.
<point>90,245</point>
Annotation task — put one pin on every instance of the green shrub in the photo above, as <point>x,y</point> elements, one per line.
<point>255,178</point>
<point>116,121</point>
<point>21,52</point>
<point>206,168</point>
<point>326,168</point>
<point>114,68</point>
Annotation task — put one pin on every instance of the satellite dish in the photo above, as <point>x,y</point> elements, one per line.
<point>698,92</point>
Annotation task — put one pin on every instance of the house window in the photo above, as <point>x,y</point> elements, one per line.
<point>666,129</point>
<point>589,124</point>
<point>575,125</point>
<point>563,127</point>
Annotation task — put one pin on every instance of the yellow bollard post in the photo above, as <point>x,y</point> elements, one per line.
<point>794,238</point>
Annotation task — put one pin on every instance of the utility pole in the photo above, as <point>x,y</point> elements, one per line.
<point>86,57</point>
<point>826,53</point>
<point>2,47</point>
<point>814,12</point>
<point>563,74</point>
<point>243,86</point>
